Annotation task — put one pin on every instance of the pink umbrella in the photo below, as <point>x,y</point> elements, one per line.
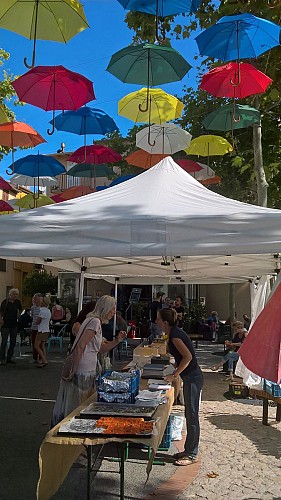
<point>261,350</point>
<point>4,185</point>
<point>189,165</point>
<point>5,207</point>
<point>54,87</point>
<point>96,154</point>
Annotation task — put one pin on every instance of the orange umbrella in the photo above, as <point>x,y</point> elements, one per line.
<point>211,180</point>
<point>75,192</point>
<point>143,159</point>
<point>18,134</point>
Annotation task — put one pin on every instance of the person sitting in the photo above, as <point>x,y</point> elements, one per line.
<point>57,312</point>
<point>67,320</point>
<point>233,345</point>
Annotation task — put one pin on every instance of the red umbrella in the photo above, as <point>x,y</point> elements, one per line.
<point>261,350</point>
<point>75,192</point>
<point>57,198</point>
<point>54,87</point>
<point>189,165</point>
<point>95,154</point>
<point>143,159</point>
<point>235,80</point>
<point>4,185</point>
<point>5,207</point>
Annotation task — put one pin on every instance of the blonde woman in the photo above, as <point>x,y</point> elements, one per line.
<point>43,322</point>
<point>88,342</point>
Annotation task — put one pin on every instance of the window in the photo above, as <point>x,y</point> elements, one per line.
<point>3,265</point>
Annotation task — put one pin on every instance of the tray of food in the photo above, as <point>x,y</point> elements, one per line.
<point>107,427</point>
<point>117,410</point>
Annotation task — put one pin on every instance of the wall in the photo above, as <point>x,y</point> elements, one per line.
<point>217,299</point>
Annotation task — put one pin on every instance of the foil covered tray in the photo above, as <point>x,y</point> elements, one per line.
<point>76,427</point>
<point>117,410</point>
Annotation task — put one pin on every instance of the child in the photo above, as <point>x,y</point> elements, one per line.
<point>43,322</point>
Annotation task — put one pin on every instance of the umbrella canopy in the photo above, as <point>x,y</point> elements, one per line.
<point>25,180</point>
<point>235,80</point>
<point>95,154</point>
<point>162,108</point>
<point>121,179</point>
<point>212,180</point>
<point>85,121</point>
<point>242,36</point>
<point>76,192</point>
<point>19,134</point>
<point>3,116</point>
<point>57,198</point>
<point>261,350</point>
<point>89,170</point>
<point>143,159</point>
<point>148,64</point>
<point>161,7</point>
<point>5,207</point>
<point>189,165</point>
<point>4,185</point>
<point>166,139</point>
<point>226,118</point>
<point>38,166</point>
<point>209,145</point>
<point>28,201</point>
<point>43,20</point>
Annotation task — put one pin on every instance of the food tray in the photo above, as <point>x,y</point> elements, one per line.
<point>117,410</point>
<point>76,427</point>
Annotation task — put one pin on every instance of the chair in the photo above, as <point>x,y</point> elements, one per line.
<point>17,345</point>
<point>58,337</point>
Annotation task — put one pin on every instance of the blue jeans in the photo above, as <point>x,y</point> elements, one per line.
<point>5,332</point>
<point>192,387</point>
<point>231,357</point>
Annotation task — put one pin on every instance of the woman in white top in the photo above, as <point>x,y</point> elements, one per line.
<point>88,343</point>
<point>43,322</point>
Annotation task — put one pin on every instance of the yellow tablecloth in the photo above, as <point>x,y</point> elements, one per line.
<point>58,453</point>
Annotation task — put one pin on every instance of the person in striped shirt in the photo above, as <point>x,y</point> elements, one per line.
<point>34,312</point>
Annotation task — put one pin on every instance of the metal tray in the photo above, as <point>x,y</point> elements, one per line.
<point>86,428</point>
<point>117,410</point>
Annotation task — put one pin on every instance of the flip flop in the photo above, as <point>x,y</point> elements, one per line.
<point>183,462</point>
<point>179,455</point>
<point>42,365</point>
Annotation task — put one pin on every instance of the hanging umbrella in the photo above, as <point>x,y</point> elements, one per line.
<point>26,180</point>
<point>76,192</point>
<point>39,166</point>
<point>18,134</point>
<point>85,121</point>
<point>4,185</point>
<point>3,116</point>
<point>95,154</point>
<point>209,145</point>
<point>121,179</point>
<point>53,88</point>
<point>206,173</point>
<point>5,207</point>
<point>148,64</point>
<point>142,159</point>
<point>162,107</point>
<point>242,36</point>
<point>261,350</point>
<point>58,20</point>
<point>89,170</point>
<point>166,139</point>
<point>189,166</point>
<point>212,180</point>
<point>226,118</point>
<point>161,8</point>
<point>57,198</point>
<point>230,81</point>
<point>28,200</point>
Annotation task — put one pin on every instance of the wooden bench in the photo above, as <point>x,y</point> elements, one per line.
<point>196,337</point>
<point>265,396</point>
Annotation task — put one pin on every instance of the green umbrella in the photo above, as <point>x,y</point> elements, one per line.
<point>231,118</point>
<point>89,170</point>
<point>148,64</point>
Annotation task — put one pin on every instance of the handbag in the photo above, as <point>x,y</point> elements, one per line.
<point>72,360</point>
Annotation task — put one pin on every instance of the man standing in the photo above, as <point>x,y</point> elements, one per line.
<point>180,310</point>
<point>156,305</point>
<point>10,310</point>
<point>34,312</point>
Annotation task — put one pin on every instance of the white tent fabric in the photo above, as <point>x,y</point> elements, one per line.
<point>126,229</point>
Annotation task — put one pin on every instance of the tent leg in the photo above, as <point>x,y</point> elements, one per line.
<point>81,285</point>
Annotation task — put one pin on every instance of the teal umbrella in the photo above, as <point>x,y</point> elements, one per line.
<point>229,118</point>
<point>90,170</point>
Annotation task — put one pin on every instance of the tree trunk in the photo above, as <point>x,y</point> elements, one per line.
<point>262,184</point>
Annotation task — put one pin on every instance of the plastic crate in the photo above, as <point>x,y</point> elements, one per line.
<point>272,388</point>
<point>127,396</point>
<point>239,391</point>
<point>167,437</point>
<point>117,397</point>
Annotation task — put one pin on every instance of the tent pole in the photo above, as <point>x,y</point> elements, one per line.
<point>81,284</point>
<point>114,319</point>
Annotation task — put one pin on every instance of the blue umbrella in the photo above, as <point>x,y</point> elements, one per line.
<point>117,181</point>
<point>161,8</point>
<point>38,166</point>
<point>84,121</point>
<point>238,37</point>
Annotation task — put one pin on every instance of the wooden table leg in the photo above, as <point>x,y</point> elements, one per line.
<point>278,412</point>
<point>265,411</point>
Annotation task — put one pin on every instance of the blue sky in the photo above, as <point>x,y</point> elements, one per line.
<point>87,53</point>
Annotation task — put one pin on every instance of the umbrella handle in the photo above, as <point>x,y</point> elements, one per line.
<point>273,4</point>
<point>34,205</point>
<point>145,109</point>
<point>236,120</point>
<point>238,80</point>
<point>30,66</point>
<point>9,173</point>
<point>35,37</point>
<point>159,38</point>
<point>50,132</point>
<point>149,137</point>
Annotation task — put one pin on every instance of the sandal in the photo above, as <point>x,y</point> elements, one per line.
<point>179,455</point>
<point>182,462</point>
<point>42,365</point>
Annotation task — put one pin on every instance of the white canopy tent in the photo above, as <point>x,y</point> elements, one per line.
<point>162,224</point>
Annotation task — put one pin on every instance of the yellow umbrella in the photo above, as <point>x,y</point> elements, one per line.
<point>34,201</point>
<point>209,145</point>
<point>3,116</point>
<point>162,107</point>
